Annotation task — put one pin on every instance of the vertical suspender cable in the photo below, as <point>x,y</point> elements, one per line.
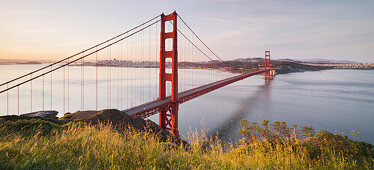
<point>127,74</point>
<point>131,74</point>
<point>110,77</point>
<point>63,91</point>
<point>64,81</point>
<point>156,75</point>
<point>135,53</point>
<point>120,67</point>
<point>185,61</point>
<point>7,99</point>
<point>107,79</point>
<point>18,99</point>
<point>31,93</point>
<point>96,78</point>
<point>119,79</point>
<point>81,67</point>
<point>190,67</point>
<point>141,66</point>
<point>143,59</point>
<point>51,87</point>
<point>149,62</point>
<point>194,69</point>
<point>43,91</point>
<point>68,86</point>
<point>82,83</point>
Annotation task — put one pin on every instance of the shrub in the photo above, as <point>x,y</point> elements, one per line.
<point>321,147</point>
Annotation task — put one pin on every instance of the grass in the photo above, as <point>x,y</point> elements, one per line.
<point>47,145</point>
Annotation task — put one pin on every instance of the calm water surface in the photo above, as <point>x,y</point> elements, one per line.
<point>334,100</point>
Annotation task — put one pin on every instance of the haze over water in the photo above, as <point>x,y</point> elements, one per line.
<point>333,100</point>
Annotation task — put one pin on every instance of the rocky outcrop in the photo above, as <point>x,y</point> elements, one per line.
<point>50,114</point>
<point>120,120</point>
<point>117,119</point>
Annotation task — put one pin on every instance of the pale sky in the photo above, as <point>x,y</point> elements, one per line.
<point>296,29</point>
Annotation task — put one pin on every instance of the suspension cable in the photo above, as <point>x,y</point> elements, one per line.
<point>198,37</point>
<point>79,58</point>
<point>50,65</point>
<point>194,45</point>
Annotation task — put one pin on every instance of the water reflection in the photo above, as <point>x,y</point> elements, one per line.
<point>226,128</point>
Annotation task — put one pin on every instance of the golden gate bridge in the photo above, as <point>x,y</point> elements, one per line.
<point>149,69</point>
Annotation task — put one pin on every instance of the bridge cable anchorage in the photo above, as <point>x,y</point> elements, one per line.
<point>75,60</point>
<point>97,45</point>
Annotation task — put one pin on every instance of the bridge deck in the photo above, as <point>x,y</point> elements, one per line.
<point>153,107</point>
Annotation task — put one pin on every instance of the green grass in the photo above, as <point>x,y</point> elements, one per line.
<point>47,145</point>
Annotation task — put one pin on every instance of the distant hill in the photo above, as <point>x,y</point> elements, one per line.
<point>317,60</point>
<point>17,61</point>
<point>255,59</point>
<point>29,62</point>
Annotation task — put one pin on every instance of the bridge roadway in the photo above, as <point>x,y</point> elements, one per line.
<point>154,107</point>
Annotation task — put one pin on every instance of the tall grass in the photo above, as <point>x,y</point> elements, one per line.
<point>100,147</point>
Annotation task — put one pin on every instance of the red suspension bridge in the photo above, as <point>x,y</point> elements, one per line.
<point>147,70</point>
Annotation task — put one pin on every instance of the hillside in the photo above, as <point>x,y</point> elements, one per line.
<point>80,141</point>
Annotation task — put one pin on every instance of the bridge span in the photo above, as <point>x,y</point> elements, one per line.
<point>158,44</point>
<point>151,108</point>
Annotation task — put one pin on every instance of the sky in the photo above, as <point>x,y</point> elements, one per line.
<point>295,29</point>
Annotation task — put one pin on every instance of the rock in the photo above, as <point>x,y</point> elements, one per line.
<point>120,120</point>
<point>51,114</point>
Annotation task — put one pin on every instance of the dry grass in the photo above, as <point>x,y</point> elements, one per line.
<point>77,146</point>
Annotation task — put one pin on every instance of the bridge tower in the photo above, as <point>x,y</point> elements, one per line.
<point>268,74</point>
<point>169,116</point>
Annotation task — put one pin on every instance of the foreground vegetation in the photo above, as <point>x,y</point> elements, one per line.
<point>44,144</point>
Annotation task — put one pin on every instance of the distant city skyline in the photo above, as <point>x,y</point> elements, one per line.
<point>336,29</point>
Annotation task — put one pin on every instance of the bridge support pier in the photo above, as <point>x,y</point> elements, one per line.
<point>169,121</point>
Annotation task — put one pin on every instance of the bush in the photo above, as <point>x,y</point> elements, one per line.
<point>321,147</point>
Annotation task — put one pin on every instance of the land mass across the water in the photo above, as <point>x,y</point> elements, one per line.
<point>17,61</point>
<point>243,65</point>
<point>285,66</point>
